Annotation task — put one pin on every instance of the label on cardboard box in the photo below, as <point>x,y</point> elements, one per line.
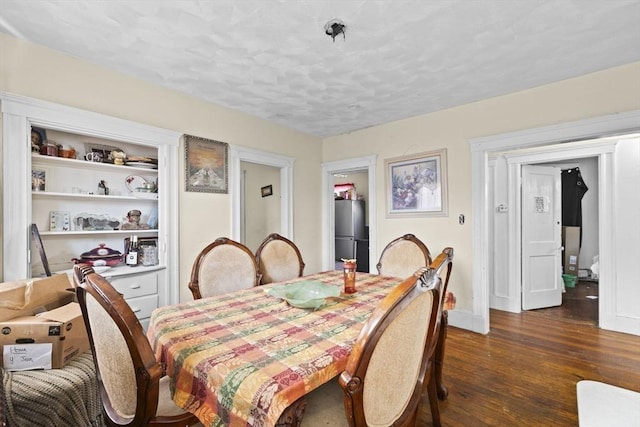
<point>22,357</point>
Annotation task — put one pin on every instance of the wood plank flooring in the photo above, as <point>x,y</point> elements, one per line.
<point>524,372</point>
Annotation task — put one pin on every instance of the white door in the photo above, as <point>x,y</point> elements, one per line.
<point>541,237</point>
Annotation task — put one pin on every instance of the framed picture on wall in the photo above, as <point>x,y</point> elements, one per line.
<point>417,185</point>
<point>267,190</point>
<point>206,165</point>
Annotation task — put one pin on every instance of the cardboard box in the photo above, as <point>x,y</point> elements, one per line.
<point>41,327</point>
<point>571,244</point>
<point>33,296</point>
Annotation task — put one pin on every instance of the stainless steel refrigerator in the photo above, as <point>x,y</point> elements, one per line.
<point>350,229</point>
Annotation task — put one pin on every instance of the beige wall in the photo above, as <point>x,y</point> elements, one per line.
<point>602,93</point>
<point>33,71</point>
<point>40,73</point>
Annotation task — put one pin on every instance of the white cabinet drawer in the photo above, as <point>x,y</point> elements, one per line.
<point>143,306</point>
<point>136,285</point>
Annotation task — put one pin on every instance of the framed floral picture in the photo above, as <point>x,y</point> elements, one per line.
<point>417,185</point>
<point>206,165</point>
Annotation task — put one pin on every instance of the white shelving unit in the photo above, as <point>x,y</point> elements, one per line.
<point>71,185</point>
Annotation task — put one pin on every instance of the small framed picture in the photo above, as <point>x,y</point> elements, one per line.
<point>102,152</point>
<point>38,137</point>
<point>39,179</point>
<point>267,190</point>
<point>59,221</point>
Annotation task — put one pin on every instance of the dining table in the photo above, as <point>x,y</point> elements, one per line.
<point>248,358</point>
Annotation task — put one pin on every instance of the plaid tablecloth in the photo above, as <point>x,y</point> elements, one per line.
<point>241,359</point>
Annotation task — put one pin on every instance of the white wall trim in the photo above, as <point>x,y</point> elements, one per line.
<point>368,163</point>
<point>70,119</point>
<point>239,154</point>
<point>482,148</point>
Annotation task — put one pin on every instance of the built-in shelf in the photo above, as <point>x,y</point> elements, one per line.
<point>97,232</point>
<point>52,194</point>
<point>120,270</point>
<point>75,163</point>
<point>70,188</point>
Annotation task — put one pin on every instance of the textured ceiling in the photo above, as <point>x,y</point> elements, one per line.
<point>399,59</point>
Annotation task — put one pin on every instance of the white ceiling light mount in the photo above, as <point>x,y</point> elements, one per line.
<point>334,28</point>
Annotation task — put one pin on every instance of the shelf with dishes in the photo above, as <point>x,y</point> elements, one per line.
<point>98,232</point>
<point>57,179</point>
<point>138,196</point>
<point>131,167</point>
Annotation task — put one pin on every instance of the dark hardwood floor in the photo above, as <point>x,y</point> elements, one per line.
<point>524,372</point>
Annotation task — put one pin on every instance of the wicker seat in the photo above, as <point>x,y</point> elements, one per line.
<point>403,256</point>
<point>223,266</point>
<point>390,362</point>
<point>278,259</point>
<point>132,384</point>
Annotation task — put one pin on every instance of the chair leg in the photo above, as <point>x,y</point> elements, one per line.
<point>433,399</point>
<point>438,358</point>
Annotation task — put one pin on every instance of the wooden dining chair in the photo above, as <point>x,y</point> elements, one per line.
<point>390,362</point>
<point>443,264</point>
<point>278,259</point>
<point>403,256</point>
<point>133,388</point>
<point>223,266</point>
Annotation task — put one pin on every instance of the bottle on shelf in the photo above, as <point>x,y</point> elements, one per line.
<point>132,257</point>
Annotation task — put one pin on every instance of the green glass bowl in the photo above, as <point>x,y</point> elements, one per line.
<point>307,294</point>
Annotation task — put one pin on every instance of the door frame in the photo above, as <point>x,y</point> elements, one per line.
<point>553,143</point>
<point>359,164</point>
<point>602,149</point>
<point>239,154</point>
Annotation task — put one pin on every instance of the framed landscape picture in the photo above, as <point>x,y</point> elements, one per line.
<point>416,185</point>
<point>206,165</point>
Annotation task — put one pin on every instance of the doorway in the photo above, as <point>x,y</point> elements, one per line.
<point>510,296</point>
<point>580,296</point>
<point>356,165</point>
<point>283,164</point>
<point>260,209</point>
<point>351,219</point>
<point>537,144</point>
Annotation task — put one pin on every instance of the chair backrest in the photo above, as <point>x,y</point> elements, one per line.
<point>128,374</point>
<point>442,261</point>
<point>403,256</point>
<point>278,259</point>
<point>223,266</point>
<point>383,380</point>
